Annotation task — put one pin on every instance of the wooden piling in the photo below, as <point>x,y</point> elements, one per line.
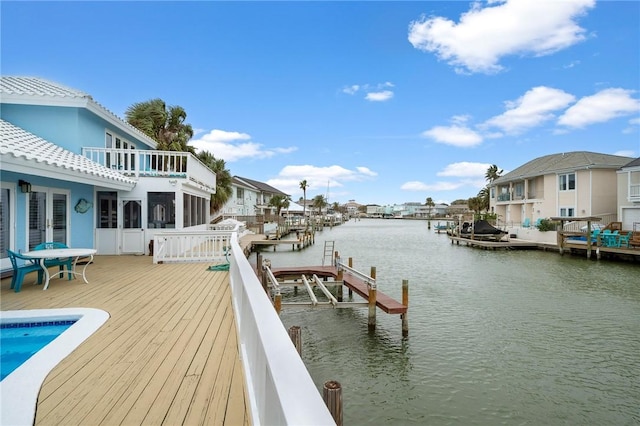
<point>350,266</point>
<point>340,278</point>
<point>332,395</point>
<point>371,321</point>
<point>405,302</point>
<point>278,302</point>
<point>296,337</point>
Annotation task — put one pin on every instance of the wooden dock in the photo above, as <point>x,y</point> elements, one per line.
<point>384,302</point>
<point>493,245</point>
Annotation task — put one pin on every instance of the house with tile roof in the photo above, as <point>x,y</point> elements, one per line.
<point>569,184</point>
<point>74,172</point>
<point>629,195</point>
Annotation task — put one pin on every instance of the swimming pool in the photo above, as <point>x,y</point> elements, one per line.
<point>19,341</point>
<point>19,389</point>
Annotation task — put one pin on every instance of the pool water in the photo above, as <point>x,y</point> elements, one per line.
<point>20,341</point>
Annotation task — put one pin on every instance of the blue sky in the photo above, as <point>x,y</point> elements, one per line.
<point>377,102</point>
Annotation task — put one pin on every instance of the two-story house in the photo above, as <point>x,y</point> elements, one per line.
<point>251,198</point>
<point>629,196</point>
<point>74,172</point>
<point>570,184</point>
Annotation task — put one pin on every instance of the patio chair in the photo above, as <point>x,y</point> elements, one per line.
<point>62,263</point>
<point>623,240</point>
<point>526,223</point>
<point>594,235</point>
<point>610,239</point>
<point>21,267</point>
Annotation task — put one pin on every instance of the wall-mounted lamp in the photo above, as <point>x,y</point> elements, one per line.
<point>173,181</point>
<point>25,187</point>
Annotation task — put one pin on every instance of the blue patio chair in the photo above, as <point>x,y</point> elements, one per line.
<point>21,267</point>
<point>623,240</point>
<point>62,263</point>
<point>526,223</point>
<point>538,222</point>
<point>594,235</point>
<point>610,239</point>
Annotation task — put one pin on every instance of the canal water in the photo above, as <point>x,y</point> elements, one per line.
<point>495,337</point>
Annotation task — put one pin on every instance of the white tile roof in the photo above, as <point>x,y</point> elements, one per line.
<point>38,91</point>
<point>19,147</point>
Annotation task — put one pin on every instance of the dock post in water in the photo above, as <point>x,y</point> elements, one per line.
<point>371,322</point>
<point>350,266</point>
<point>405,302</point>
<point>278,301</point>
<point>332,395</point>
<point>296,337</point>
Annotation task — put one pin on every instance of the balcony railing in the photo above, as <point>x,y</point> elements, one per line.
<point>148,163</point>
<point>504,197</point>
<point>634,192</point>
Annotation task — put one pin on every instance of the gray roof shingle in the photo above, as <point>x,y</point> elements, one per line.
<point>564,162</point>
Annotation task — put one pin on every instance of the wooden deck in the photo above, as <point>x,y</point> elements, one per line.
<point>167,355</point>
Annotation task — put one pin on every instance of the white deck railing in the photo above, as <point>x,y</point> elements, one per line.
<point>150,163</point>
<point>279,387</point>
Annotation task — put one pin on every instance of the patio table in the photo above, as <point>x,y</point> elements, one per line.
<point>77,253</point>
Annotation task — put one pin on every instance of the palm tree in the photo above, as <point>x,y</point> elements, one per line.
<point>303,186</point>
<point>429,203</point>
<point>279,202</point>
<point>224,188</point>
<point>319,202</point>
<point>493,173</point>
<point>164,125</point>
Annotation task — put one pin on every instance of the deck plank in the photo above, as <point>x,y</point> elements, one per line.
<point>167,355</point>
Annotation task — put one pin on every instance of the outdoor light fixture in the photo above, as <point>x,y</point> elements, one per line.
<point>25,186</point>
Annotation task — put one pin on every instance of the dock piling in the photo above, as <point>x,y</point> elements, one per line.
<point>350,266</point>
<point>296,337</point>
<point>332,395</point>
<point>405,302</point>
<point>371,321</point>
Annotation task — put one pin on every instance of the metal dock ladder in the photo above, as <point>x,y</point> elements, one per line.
<point>328,252</point>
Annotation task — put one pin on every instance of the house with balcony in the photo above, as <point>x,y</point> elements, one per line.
<point>569,184</point>
<point>251,198</point>
<point>74,172</point>
<point>629,195</point>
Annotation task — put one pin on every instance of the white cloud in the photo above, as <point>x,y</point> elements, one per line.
<point>465,169</point>
<point>319,179</point>
<point>374,93</point>
<point>530,110</point>
<point>234,146</point>
<point>601,107</point>
<point>379,96</point>
<point>513,27</point>
<point>453,135</point>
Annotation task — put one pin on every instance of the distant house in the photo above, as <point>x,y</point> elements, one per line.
<point>251,198</point>
<point>570,184</point>
<point>629,195</point>
<point>74,172</point>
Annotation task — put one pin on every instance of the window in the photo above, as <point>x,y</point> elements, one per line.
<point>161,209</point>
<point>239,196</point>
<point>118,159</point>
<point>194,210</point>
<point>567,182</point>
<point>567,212</point>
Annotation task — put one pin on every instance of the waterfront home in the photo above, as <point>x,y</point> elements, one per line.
<point>629,195</point>
<point>74,172</point>
<point>568,184</point>
<point>251,198</point>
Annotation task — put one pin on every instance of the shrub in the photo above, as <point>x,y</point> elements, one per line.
<point>547,225</point>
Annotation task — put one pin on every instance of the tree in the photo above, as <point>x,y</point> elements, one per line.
<point>303,186</point>
<point>474,204</point>
<point>319,202</point>
<point>483,198</point>
<point>224,188</point>
<point>279,202</point>
<point>429,203</point>
<point>165,125</point>
<point>493,173</point>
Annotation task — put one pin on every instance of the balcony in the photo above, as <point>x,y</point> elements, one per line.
<point>504,197</point>
<point>634,192</point>
<point>147,163</point>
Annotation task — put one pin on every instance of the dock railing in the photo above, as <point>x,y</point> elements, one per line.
<point>361,275</point>
<point>281,391</point>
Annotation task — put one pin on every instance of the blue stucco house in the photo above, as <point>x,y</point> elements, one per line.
<point>72,171</point>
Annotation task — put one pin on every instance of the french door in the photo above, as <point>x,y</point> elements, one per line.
<point>48,216</point>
